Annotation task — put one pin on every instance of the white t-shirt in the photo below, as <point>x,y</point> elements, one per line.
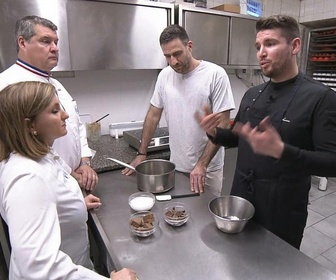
<point>46,215</point>
<point>180,96</point>
<point>71,147</point>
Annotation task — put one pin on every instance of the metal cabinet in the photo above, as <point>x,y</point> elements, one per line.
<point>223,38</point>
<point>13,10</point>
<point>117,35</point>
<point>209,34</point>
<point>94,35</point>
<point>242,49</point>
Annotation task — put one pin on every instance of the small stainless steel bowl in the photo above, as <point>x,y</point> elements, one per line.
<point>231,213</point>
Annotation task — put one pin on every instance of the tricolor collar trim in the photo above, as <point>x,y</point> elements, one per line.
<point>32,68</point>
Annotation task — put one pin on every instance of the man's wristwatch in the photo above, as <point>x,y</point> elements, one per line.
<point>88,163</point>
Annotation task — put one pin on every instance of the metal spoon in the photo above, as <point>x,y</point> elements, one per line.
<point>121,163</point>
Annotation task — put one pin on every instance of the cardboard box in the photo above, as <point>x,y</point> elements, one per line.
<point>228,8</point>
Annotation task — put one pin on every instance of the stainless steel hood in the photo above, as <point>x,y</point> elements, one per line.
<point>94,35</point>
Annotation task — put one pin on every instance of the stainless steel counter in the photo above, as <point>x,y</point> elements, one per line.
<point>196,250</point>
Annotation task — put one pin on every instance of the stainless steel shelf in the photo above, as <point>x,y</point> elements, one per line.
<point>321,64</point>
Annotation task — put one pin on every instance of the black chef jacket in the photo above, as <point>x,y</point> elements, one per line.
<point>304,113</point>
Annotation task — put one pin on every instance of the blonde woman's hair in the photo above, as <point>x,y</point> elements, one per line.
<point>19,102</point>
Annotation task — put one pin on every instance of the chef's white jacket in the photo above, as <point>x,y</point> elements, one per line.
<point>46,216</point>
<point>71,147</point>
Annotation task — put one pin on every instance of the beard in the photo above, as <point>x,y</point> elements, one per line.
<point>183,67</point>
<point>276,69</point>
<point>279,65</point>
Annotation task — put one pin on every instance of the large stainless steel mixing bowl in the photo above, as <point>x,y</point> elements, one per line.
<point>231,213</point>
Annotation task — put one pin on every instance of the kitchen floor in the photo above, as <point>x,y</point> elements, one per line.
<point>319,241</point>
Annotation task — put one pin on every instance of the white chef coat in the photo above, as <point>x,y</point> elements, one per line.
<point>46,215</point>
<point>71,147</point>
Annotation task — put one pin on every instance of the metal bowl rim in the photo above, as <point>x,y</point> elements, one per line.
<point>229,220</point>
<point>133,229</point>
<point>173,166</point>
<point>141,194</point>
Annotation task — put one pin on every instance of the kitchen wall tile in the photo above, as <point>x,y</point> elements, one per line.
<point>231,2</point>
<point>309,10</point>
<point>318,7</point>
<point>312,10</point>
<point>276,7</point>
<point>288,7</point>
<point>309,2</point>
<point>329,14</point>
<point>304,11</point>
<point>268,7</point>
<point>318,16</point>
<point>308,18</point>
<point>329,5</point>
<point>210,4</point>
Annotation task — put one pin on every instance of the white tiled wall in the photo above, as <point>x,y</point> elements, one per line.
<point>302,10</point>
<point>288,7</point>
<point>317,9</point>
<point>214,3</point>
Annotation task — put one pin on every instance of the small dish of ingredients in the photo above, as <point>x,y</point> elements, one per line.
<point>141,201</point>
<point>143,223</point>
<point>176,213</point>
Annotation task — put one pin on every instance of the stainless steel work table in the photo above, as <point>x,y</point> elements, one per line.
<point>196,250</point>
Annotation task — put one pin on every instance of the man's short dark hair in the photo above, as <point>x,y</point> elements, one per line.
<point>289,26</point>
<point>173,32</point>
